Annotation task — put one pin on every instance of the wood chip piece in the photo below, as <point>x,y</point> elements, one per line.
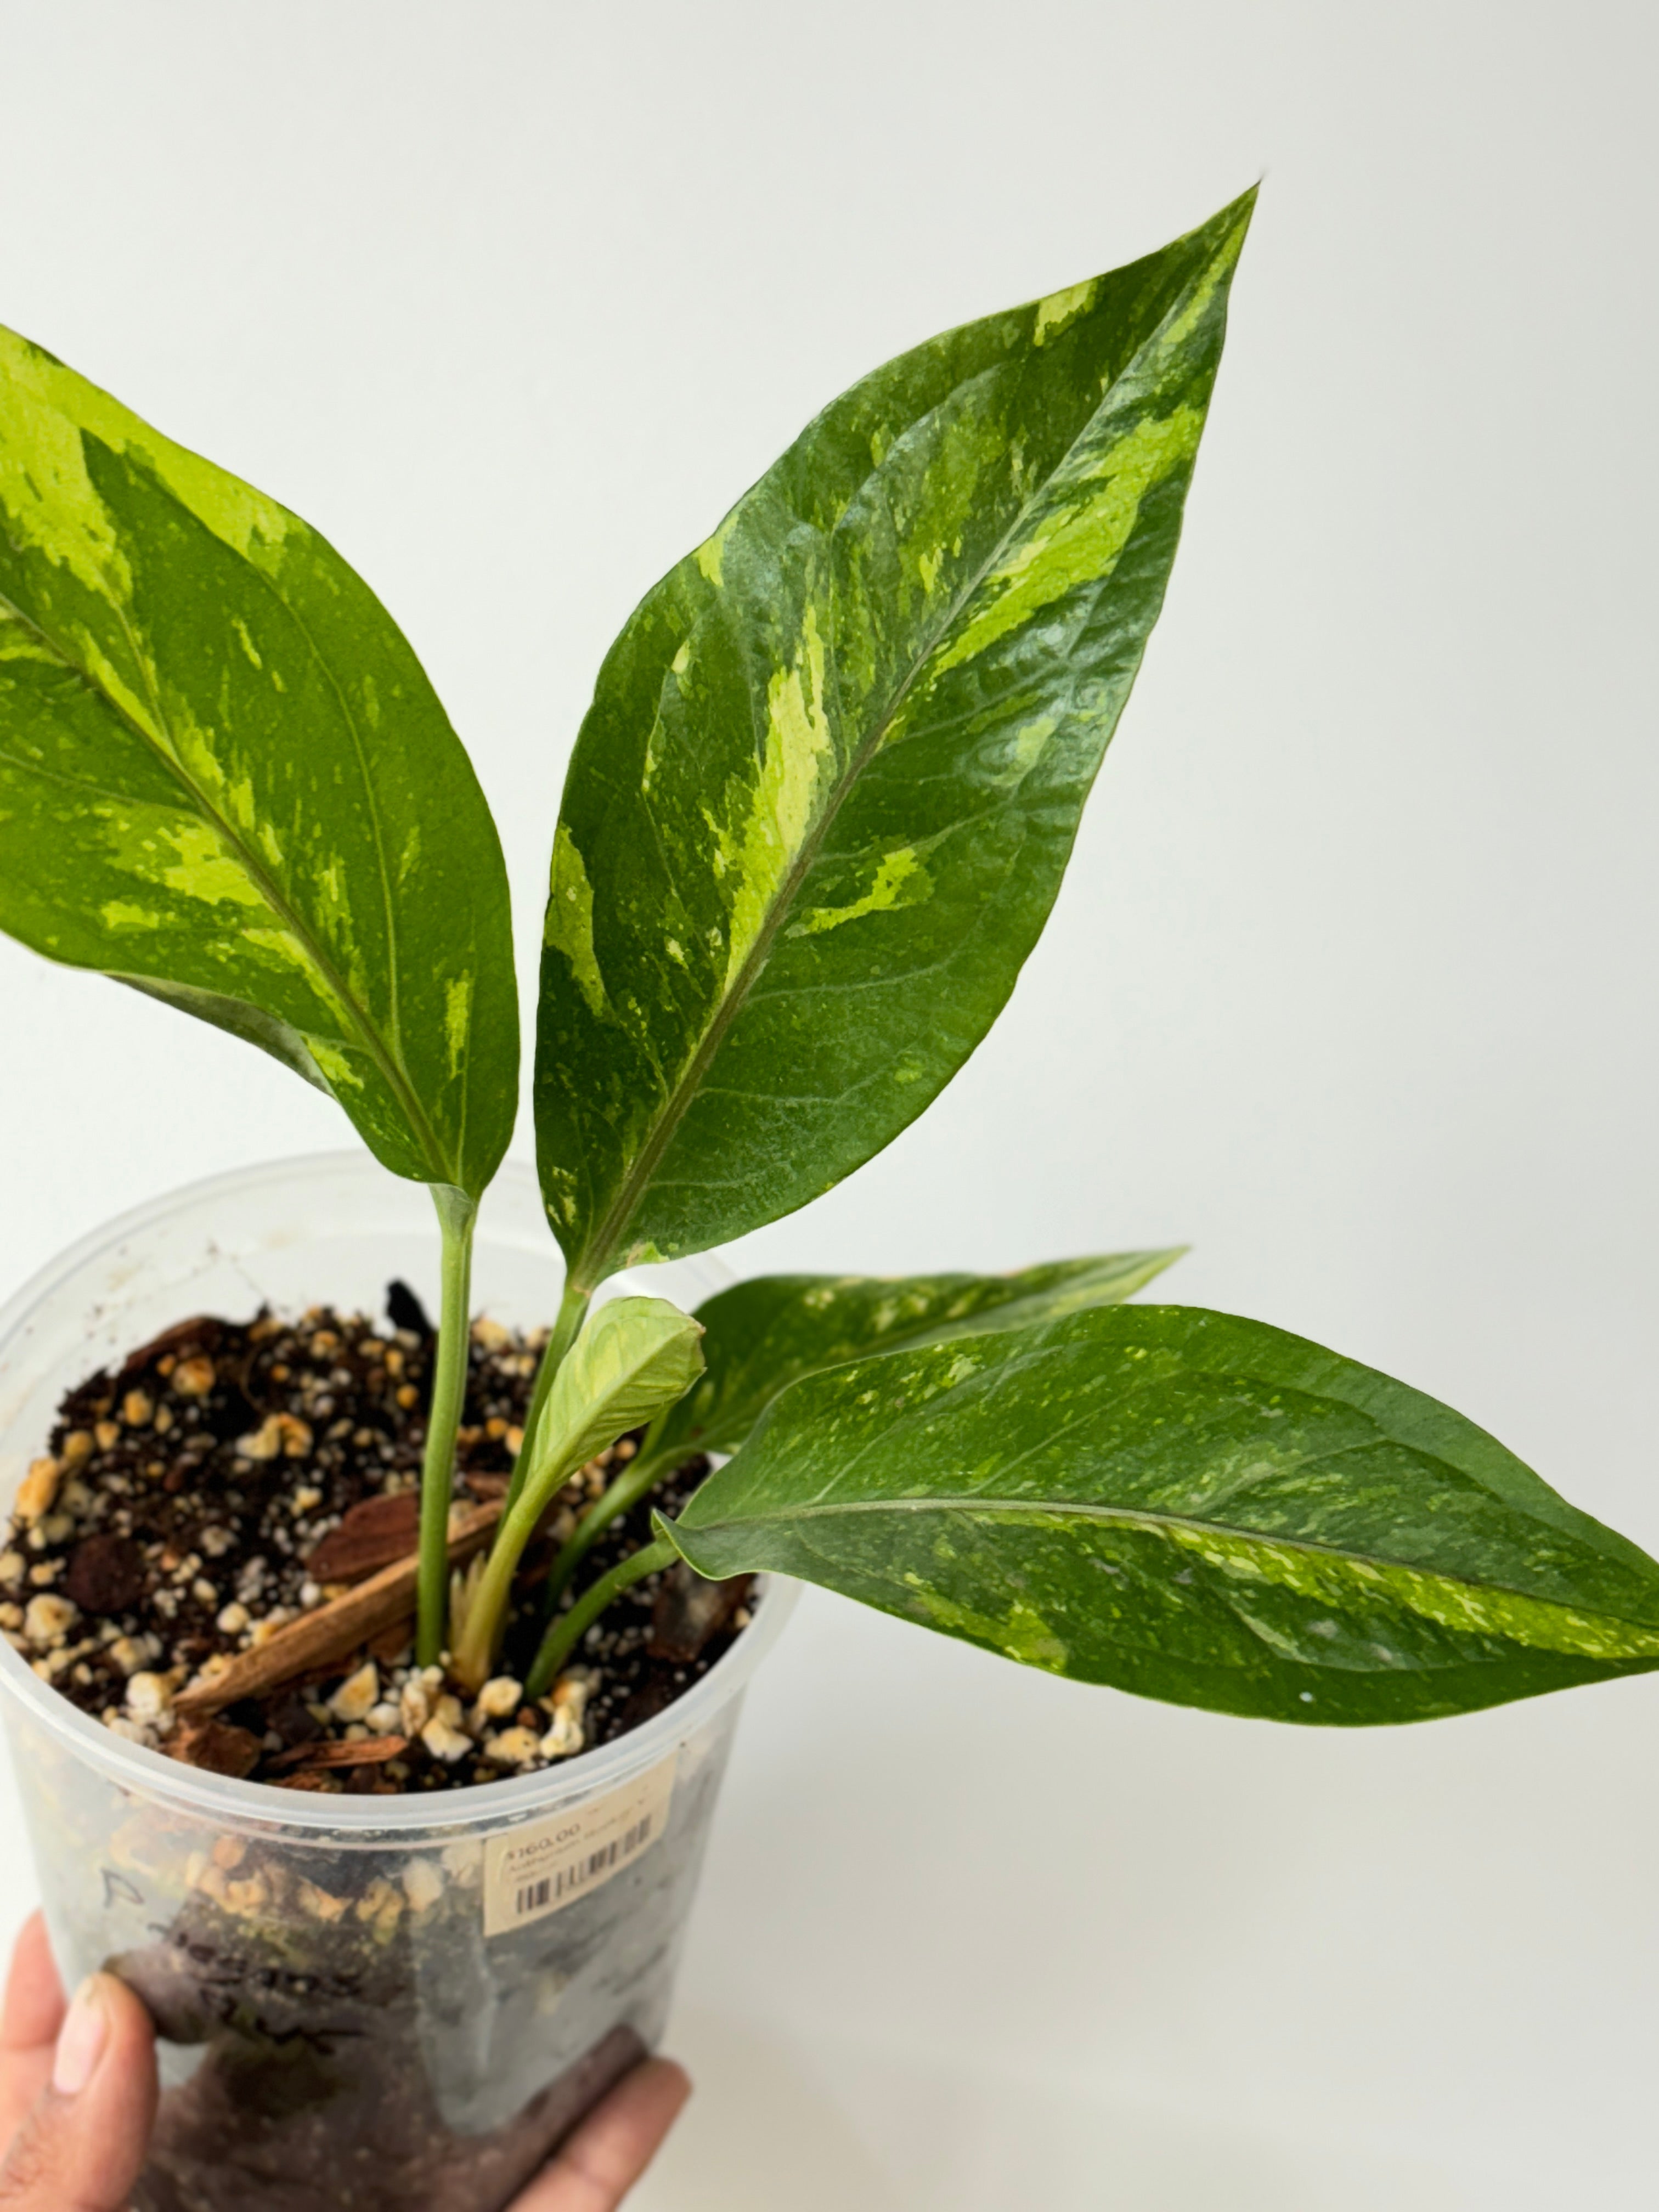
<point>216,1747</point>
<point>389,1646</point>
<point>202,1334</point>
<point>370,1537</point>
<point>488,1485</point>
<point>367,1751</point>
<point>336,1629</point>
<point>688,1611</point>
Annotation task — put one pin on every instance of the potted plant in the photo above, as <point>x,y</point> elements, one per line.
<point>372,1685</point>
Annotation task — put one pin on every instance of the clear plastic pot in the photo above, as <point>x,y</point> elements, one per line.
<point>365,2002</point>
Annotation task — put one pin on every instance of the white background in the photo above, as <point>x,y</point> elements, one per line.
<point>1349,984</point>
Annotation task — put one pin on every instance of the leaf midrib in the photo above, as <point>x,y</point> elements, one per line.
<point>592,1266</point>
<point>1144,1517</point>
<point>357,1017</point>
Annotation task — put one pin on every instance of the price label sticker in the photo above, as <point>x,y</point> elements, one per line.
<point>541,1868</point>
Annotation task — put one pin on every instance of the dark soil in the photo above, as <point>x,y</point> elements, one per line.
<point>233,1476</point>
<point>314,2087</point>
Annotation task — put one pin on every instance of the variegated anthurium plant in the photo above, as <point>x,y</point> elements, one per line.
<point>815,821</point>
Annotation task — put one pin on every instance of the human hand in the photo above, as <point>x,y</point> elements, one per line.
<point>78,2095</point>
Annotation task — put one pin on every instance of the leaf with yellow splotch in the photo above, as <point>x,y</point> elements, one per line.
<point>225,779</point>
<point>1188,1505</point>
<point>764,1334</point>
<point>821,805</point>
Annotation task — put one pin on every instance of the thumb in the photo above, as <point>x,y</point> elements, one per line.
<point>81,2147</point>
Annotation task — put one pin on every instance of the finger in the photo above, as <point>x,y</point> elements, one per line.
<point>614,2144</point>
<point>29,2021</point>
<point>34,1996</point>
<point>81,2147</point>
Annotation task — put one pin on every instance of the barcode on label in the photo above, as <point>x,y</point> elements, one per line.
<point>547,1864</point>
<point>554,1888</point>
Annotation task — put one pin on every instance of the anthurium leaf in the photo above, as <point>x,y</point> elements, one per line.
<point>634,1357</point>
<point>1189,1506</point>
<point>225,778</point>
<point>766,1333</point>
<point>820,807</point>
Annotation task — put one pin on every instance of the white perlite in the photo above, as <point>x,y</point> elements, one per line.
<point>444,1740</point>
<point>49,1619</point>
<point>513,1747</point>
<point>499,1697</point>
<point>564,1738</point>
<point>37,1488</point>
<point>358,1695</point>
<point>149,1697</point>
<point>423,1885</point>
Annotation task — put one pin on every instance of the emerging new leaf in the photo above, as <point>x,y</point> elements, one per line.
<point>763,1334</point>
<point>1189,1506</point>
<point>821,805</point>
<point>225,778</point>
<point>634,1356</point>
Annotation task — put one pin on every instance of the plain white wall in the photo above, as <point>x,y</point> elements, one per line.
<point>1349,984</point>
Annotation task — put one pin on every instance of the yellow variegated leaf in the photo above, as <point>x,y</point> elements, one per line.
<point>821,805</point>
<point>1190,1506</point>
<point>225,778</point>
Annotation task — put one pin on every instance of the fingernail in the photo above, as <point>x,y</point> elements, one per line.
<point>81,2040</point>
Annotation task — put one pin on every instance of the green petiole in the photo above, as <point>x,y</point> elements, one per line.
<point>457,1214</point>
<point>626,1492</point>
<point>563,1637</point>
<point>487,1609</point>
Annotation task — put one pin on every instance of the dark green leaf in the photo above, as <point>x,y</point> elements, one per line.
<point>821,805</point>
<point>766,1333</point>
<point>1189,1506</point>
<point>225,778</point>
